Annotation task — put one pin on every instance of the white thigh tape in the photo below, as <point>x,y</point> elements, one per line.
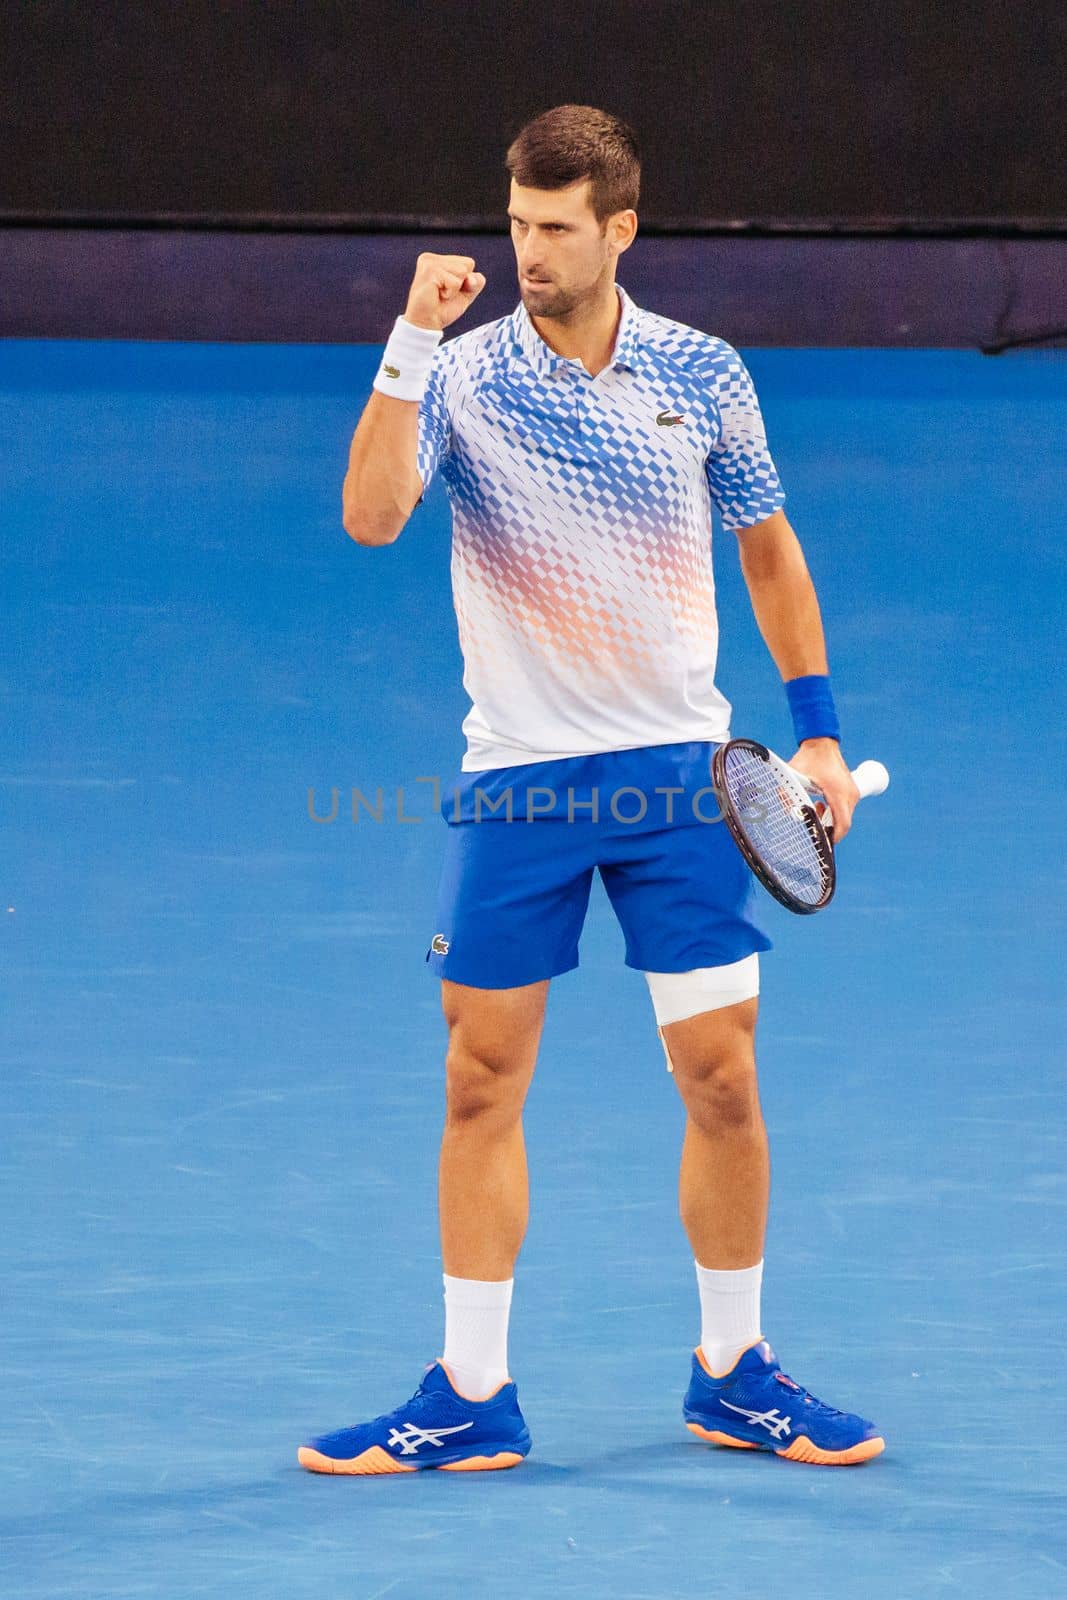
<point>677,995</point>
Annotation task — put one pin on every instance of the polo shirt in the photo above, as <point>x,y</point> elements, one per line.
<point>582,529</point>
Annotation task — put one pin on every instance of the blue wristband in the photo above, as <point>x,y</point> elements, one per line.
<point>812,706</point>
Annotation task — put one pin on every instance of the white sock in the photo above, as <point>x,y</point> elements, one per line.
<point>729,1313</point>
<point>476,1334</point>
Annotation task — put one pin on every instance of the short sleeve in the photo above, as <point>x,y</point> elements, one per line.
<point>435,429</point>
<point>743,480</point>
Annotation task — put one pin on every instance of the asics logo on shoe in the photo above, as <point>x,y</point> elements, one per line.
<point>777,1426</point>
<point>409,1438</point>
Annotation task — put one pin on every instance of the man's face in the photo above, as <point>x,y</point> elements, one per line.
<point>561,250</point>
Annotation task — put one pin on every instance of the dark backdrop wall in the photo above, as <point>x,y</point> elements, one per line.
<point>932,113</point>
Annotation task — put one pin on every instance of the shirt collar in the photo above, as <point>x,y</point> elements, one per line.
<point>544,360</point>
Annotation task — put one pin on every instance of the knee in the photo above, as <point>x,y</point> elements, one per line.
<point>481,1089</point>
<point>720,1090</point>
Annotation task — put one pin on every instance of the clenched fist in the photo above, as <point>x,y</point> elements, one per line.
<point>441,290</point>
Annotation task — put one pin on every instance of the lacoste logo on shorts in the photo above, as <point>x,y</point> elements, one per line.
<point>669,419</point>
<point>391,372</point>
<point>439,944</point>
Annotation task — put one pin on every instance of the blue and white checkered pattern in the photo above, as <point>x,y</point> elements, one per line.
<point>581,557</point>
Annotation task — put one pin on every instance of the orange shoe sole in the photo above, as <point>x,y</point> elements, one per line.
<point>801,1449</point>
<point>376,1462</point>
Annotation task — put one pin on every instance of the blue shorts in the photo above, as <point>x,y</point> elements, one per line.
<point>514,894</point>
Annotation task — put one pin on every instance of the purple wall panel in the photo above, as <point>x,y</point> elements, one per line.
<point>337,288</point>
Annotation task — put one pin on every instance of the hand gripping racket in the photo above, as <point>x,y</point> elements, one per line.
<point>770,810</point>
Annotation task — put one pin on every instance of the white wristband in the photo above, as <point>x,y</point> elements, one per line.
<point>407,361</point>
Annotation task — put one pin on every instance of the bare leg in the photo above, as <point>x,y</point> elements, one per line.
<point>724,1180</point>
<point>483,1188</point>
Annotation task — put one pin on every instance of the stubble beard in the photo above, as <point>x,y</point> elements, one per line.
<point>557,303</point>
<point>549,302</point>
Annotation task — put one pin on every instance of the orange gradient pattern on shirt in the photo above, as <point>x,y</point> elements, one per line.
<point>582,521</point>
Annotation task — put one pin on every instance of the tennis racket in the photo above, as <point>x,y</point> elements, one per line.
<point>770,809</point>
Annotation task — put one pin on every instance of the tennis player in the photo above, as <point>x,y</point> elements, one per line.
<point>582,442</point>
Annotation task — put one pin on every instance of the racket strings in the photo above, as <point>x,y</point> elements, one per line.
<point>779,820</point>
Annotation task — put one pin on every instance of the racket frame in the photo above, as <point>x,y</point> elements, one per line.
<point>821,837</point>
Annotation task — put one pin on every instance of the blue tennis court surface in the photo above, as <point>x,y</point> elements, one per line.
<point>222,1052</point>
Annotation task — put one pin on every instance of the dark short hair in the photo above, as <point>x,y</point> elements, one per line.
<point>569,143</point>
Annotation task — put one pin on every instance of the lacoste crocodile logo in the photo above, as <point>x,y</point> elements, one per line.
<point>670,419</point>
<point>391,372</point>
<point>439,944</point>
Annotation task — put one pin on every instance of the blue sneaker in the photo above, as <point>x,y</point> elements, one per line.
<point>437,1427</point>
<point>755,1406</point>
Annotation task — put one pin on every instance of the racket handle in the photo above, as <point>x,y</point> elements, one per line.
<point>870,777</point>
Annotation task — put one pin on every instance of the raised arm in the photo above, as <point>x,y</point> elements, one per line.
<point>787,612</point>
<point>382,486</point>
